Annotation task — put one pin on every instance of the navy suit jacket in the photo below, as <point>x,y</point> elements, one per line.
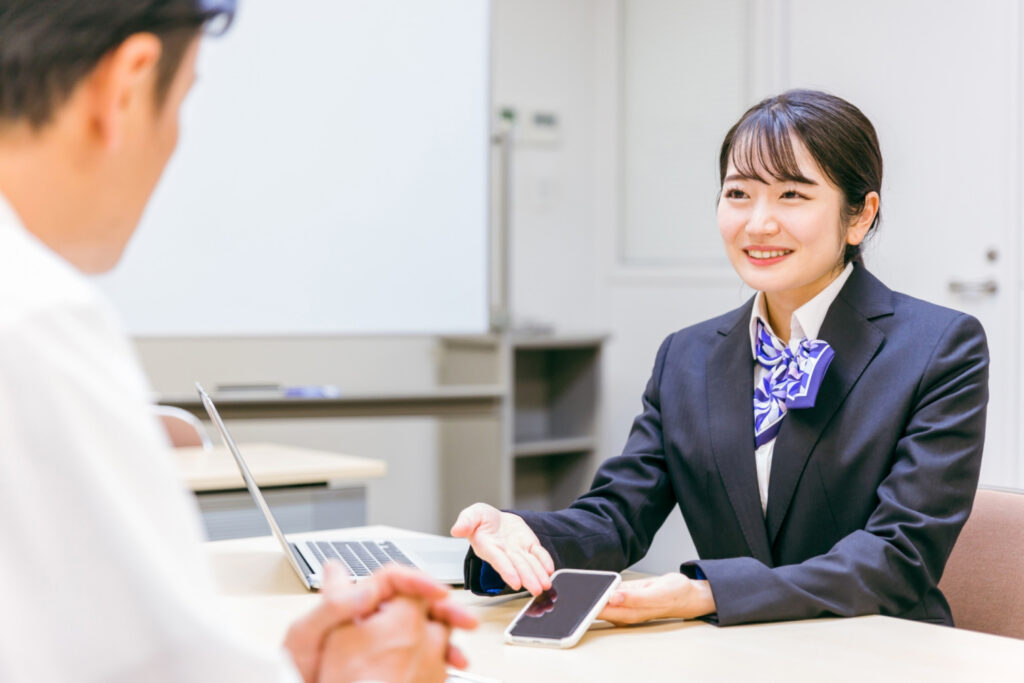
<point>868,489</point>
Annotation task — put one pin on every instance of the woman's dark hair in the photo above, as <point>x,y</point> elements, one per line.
<point>48,46</point>
<point>836,134</point>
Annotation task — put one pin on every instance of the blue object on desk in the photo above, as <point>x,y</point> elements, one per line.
<point>312,391</point>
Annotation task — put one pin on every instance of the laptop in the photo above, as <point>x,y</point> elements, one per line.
<point>438,556</point>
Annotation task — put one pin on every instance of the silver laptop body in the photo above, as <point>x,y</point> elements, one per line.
<point>438,556</point>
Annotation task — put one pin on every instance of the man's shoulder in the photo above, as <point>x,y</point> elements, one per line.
<point>51,315</point>
<point>35,282</point>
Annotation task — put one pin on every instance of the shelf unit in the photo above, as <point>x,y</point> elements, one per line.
<point>550,411</point>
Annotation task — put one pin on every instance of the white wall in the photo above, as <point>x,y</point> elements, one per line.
<point>565,54</point>
<point>543,59</point>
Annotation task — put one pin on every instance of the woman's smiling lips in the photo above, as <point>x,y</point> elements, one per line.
<point>766,255</point>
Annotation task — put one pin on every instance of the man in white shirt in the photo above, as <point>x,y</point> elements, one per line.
<point>102,577</point>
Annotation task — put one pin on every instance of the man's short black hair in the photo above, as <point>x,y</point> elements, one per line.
<point>48,46</point>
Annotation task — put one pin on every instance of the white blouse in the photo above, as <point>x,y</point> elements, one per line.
<point>805,324</point>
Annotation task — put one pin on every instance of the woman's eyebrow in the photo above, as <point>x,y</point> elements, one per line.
<point>802,180</point>
<point>743,176</point>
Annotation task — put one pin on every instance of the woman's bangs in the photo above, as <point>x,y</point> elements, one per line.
<point>763,146</point>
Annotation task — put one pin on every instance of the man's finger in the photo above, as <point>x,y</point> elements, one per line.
<point>341,604</point>
<point>455,657</point>
<point>435,638</point>
<point>396,580</point>
<point>454,615</point>
<point>335,572</point>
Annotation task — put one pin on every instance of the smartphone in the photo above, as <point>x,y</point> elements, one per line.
<point>560,616</point>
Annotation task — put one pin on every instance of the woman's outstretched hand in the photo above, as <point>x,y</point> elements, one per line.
<point>506,542</point>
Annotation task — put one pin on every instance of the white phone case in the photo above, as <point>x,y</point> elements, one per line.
<point>584,624</point>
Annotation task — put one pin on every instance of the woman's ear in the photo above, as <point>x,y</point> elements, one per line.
<point>858,230</point>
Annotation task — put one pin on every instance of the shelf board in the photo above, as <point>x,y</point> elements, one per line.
<point>442,400</point>
<point>543,342</point>
<point>439,394</point>
<point>526,341</point>
<point>572,444</point>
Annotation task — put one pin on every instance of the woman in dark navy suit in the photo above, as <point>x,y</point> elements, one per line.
<point>823,441</point>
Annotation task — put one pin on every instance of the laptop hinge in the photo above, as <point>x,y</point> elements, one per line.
<point>307,571</point>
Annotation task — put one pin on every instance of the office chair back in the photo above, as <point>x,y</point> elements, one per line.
<point>984,578</point>
<point>183,428</point>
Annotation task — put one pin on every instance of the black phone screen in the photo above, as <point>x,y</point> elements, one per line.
<point>557,612</point>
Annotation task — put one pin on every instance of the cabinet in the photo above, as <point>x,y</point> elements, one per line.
<point>506,420</point>
<point>549,414</point>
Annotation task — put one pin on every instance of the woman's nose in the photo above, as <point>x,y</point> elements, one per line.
<point>762,220</point>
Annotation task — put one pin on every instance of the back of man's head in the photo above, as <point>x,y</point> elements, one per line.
<point>90,95</point>
<point>48,46</point>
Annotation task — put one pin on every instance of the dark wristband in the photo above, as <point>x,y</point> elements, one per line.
<point>481,578</point>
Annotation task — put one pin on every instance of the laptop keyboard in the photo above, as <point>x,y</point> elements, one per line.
<point>361,557</point>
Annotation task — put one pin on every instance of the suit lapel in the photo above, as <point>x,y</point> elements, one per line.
<point>730,391</point>
<point>855,340</point>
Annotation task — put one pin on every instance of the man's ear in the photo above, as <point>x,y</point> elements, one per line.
<point>123,80</point>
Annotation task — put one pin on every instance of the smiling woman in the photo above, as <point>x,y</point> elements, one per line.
<point>785,176</point>
<point>823,441</point>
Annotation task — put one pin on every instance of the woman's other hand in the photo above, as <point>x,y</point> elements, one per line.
<point>506,542</point>
<point>660,597</point>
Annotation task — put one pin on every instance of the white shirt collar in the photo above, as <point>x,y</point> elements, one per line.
<point>807,320</point>
<point>8,218</point>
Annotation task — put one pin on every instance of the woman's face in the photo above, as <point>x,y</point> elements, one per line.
<point>784,237</point>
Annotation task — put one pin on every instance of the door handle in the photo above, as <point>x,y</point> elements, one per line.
<point>975,288</point>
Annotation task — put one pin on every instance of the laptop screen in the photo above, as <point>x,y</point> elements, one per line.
<point>250,483</point>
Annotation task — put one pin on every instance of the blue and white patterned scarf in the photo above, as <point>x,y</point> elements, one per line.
<point>792,380</point>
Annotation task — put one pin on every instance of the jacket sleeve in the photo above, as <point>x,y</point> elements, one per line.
<point>611,526</point>
<point>923,503</point>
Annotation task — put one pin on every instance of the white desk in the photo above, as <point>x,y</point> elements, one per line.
<point>262,596</point>
<point>308,489</point>
<point>272,465</point>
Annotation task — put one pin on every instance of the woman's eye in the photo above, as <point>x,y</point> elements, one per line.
<point>792,194</point>
<point>734,193</point>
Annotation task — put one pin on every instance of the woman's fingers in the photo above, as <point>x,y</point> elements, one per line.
<point>506,542</point>
<point>530,572</point>
<point>467,522</point>
<point>525,573</point>
<point>542,575</point>
<point>627,606</point>
<point>477,517</point>
<point>488,550</point>
<point>538,551</point>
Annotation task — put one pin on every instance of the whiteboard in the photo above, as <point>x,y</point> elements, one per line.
<point>331,177</point>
